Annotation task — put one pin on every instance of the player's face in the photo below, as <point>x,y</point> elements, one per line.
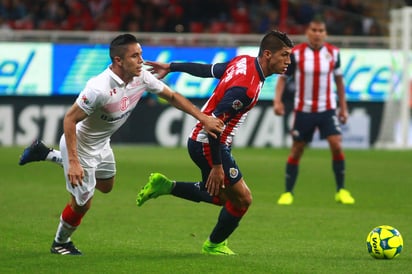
<point>316,34</point>
<point>132,63</point>
<point>277,62</point>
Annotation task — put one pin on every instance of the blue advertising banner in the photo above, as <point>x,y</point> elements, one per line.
<point>73,65</point>
<point>63,69</point>
<point>188,85</point>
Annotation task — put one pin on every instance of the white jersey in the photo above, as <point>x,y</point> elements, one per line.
<point>108,103</point>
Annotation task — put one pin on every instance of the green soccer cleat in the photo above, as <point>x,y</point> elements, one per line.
<point>285,199</point>
<point>158,185</point>
<point>216,249</point>
<point>344,197</point>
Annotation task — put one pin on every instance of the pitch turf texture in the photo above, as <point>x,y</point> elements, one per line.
<point>314,235</point>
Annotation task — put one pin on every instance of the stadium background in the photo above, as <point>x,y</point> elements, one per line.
<point>46,58</point>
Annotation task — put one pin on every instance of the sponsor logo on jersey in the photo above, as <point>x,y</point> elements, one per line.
<point>105,117</point>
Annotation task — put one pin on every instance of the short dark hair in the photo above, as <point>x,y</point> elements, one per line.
<point>118,44</point>
<point>274,41</point>
<point>318,19</point>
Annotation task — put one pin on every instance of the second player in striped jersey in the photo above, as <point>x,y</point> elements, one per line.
<point>315,68</point>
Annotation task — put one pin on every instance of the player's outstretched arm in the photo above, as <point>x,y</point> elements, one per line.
<point>158,68</point>
<point>195,69</point>
<point>212,125</point>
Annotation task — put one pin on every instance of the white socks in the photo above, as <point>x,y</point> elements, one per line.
<point>55,156</point>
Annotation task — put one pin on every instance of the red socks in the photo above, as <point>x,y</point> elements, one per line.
<point>71,217</point>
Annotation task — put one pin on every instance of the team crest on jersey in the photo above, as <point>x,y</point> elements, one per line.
<point>328,56</point>
<point>233,172</point>
<point>237,104</point>
<point>85,100</point>
<point>124,103</point>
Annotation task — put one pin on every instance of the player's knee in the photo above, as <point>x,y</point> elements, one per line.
<point>336,149</point>
<point>82,209</point>
<point>240,196</point>
<point>104,189</point>
<point>246,200</point>
<point>105,185</point>
<point>297,150</point>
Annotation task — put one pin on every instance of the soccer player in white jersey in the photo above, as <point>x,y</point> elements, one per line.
<point>315,65</point>
<point>100,109</point>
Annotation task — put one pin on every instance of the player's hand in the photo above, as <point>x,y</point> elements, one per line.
<point>75,174</point>
<point>279,108</point>
<point>213,126</point>
<point>158,68</point>
<point>215,182</point>
<point>343,116</point>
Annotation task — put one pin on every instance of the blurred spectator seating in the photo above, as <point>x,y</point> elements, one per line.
<point>343,17</point>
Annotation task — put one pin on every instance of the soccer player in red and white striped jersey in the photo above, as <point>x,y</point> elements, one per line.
<point>315,68</point>
<point>222,182</point>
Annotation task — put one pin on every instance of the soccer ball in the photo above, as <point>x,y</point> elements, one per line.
<point>384,242</point>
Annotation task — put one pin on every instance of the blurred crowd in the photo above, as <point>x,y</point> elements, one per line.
<point>343,17</point>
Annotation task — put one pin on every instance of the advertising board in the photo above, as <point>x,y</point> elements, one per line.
<point>63,69</point>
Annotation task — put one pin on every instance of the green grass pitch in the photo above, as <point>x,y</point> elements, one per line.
<point>314,235</point>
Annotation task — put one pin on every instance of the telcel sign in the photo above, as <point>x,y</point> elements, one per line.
<point>25,68</point>
<point>368,75</point>
<point>46,69</point>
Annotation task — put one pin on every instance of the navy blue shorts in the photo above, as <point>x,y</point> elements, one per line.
<point>305,124</point>
<point>200,154</point>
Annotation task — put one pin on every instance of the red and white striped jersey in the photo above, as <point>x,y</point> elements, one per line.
<point>314,72</point>
<point>237,93</point>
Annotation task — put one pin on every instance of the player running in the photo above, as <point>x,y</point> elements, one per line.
<point>237,92</point>
<point>101,109</point>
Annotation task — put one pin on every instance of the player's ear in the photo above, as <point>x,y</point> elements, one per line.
<point>118,60</point>
<point>267,53</point>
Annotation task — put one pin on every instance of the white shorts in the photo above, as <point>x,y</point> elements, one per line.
<point>101,166</point>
